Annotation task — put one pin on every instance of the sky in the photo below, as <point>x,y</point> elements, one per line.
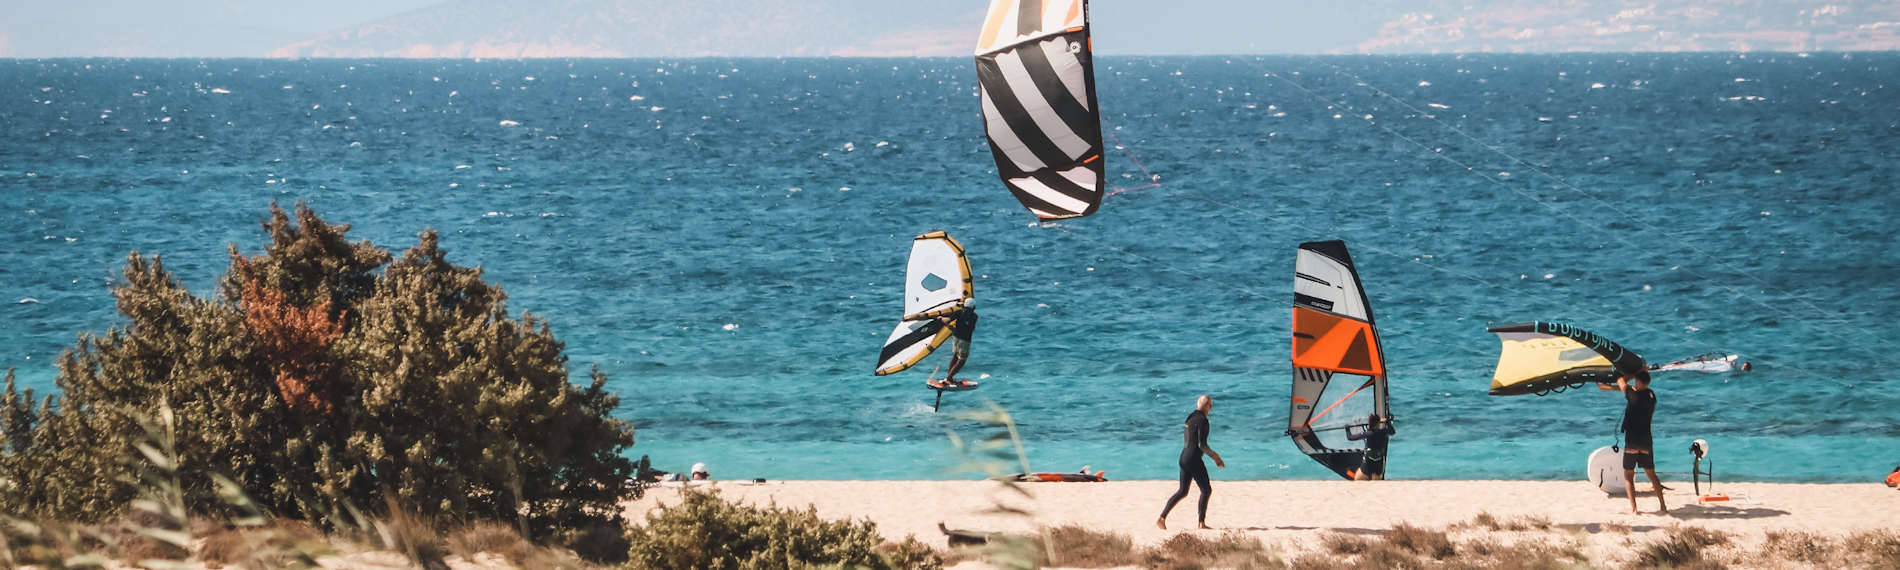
<point>533,28</point>
<point>178,28</point>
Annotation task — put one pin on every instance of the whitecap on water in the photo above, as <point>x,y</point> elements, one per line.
<point>730,326</point>
<point>508,123</point>
<point>221,91</point>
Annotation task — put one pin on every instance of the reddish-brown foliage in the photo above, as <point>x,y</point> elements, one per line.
<point>295,340</point>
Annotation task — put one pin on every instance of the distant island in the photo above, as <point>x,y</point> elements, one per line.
<point>759,28</point>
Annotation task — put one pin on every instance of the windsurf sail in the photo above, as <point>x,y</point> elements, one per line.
<point>1339,374</point>
<point>936,282</point>
<point>1543,357</point>
<point>1036,81</point>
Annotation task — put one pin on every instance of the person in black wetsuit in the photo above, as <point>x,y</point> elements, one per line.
<point>1638,446</point>
<point>962,324</point>
<point>1377,433</point>
<point>1193,445</point>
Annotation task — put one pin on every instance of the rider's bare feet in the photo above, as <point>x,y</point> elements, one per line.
<point>1205,527</point>
<point>1163,523</point>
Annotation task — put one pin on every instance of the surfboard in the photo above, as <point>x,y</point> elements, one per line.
<point>1605,470</point>
<point>1046,477</point>
<point>966,386</point>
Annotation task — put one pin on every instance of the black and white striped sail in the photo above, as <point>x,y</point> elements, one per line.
<point>936,282</point>
<point>1339,375</point>
<point>1037,84</point>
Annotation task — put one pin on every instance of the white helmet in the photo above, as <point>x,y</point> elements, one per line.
<point>699,468</point>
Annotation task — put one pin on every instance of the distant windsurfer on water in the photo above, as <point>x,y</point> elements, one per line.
<point>962,325</point>
<point>1638,446</point>
<point>1194,444</point>
<point>1376,434</point>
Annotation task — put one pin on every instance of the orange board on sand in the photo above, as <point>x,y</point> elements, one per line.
<point>1332,342</point>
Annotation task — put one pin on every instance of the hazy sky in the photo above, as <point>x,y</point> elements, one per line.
<point>177,28</point>
<point>254,28</point>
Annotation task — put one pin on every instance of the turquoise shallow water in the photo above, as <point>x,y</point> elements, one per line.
<point>725,239</point>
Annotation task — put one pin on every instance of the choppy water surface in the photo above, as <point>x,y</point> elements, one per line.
<point>725,239</point>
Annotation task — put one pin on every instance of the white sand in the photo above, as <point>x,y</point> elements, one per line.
<point>1291,515</point>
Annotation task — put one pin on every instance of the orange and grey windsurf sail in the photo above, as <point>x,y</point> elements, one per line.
<point>1339,373</point>
<point>1036,81</point>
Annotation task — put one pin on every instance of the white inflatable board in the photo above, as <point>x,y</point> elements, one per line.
<point>1605,470</point>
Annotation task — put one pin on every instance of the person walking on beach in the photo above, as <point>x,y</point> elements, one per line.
<point>1194,444</point>
<point>1638,447</point>
<point>962,324</point>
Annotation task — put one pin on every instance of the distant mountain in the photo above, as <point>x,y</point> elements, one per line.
<point>1440,26</point>
<point>653,28</point>
<point>772,28</point>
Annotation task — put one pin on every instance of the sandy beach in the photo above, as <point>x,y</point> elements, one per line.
<point>1292,515</point>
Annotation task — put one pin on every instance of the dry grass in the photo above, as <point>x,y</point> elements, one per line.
<point>1682,548</point>
<point>1080,547</point>
<point>416,538</point>
<point>1488,521</point>
<point>1798,546</point>
<point>1342,543</point>
<point>496,538</point>
<point>1420,541</point>
<point>1231,550</point>
<point>1876,549</point>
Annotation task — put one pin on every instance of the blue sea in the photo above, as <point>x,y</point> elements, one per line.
<point>726,239</point>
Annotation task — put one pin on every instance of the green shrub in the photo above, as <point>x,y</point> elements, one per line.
<point>707,532</point>
<point>325,375</point>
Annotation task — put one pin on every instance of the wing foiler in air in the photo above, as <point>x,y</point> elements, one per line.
<point>1544,357</point>
<point>936,282</point>
<point>1036,81</point>
<point>1339,374</point>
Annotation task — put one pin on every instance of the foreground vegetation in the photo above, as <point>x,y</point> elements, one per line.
<point>327,382</point>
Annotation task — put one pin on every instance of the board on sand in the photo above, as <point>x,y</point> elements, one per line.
<point>1605,470</point>
<point>1047,477</point>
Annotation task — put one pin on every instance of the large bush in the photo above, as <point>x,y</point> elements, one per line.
<point>325,376</point>
<point>707,532</point>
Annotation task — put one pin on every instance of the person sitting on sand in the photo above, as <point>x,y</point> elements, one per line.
<point>1638,447</point>
<point>1194,444</point>
<point>962,324</point>
<point>1893,479</point>
<point>1375,435</point>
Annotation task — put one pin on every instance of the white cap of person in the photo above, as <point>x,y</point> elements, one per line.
<point>699,468</point>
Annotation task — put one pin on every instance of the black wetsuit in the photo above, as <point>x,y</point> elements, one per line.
<point>963,324</point>
<point>1376,441</point>
<point>1193,445</point>
<point>1636,415</point>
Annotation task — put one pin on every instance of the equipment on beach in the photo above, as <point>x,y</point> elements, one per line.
<point>937,282</point>
<point>1082,476</point>
<point>1700,449</point>
<point>1036,81</point>
<point>1334,334</point>
<point>1543,357</point>
<point>1605,470</point>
